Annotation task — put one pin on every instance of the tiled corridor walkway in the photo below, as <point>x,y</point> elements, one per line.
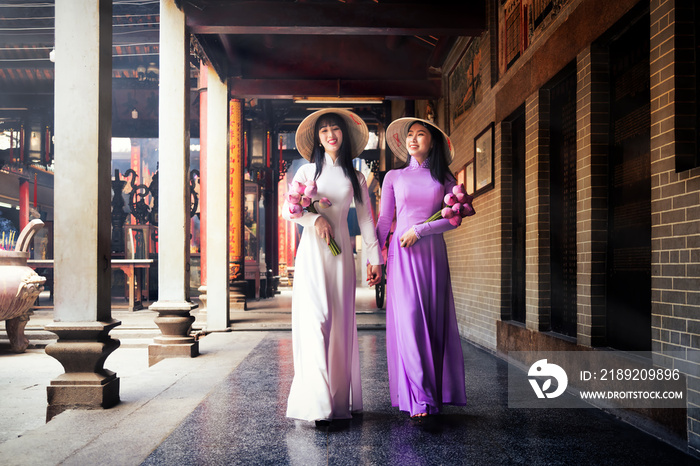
<point>227,407</point>
<point>242,422</point>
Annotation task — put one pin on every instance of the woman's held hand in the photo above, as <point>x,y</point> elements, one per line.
<point>374,274</point>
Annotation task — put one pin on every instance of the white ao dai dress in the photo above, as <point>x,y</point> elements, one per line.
<point>326,382</point>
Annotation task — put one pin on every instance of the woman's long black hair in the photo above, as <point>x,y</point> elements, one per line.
<point>439,168</point>
<point>344,153</point>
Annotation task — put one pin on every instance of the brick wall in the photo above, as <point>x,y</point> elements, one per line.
<point>537,238</point>
<point>675,203</point>
<point>480,250</point>
<point>475,247</point>
<point>592,123</point>
<point>504,147</point>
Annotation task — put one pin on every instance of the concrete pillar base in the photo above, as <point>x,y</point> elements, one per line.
<point>89,392</point>
<point>201,321</point>
<point>157,352</point>
<point>82,348</point>
<point>175,323</point>
<point>236,295</point>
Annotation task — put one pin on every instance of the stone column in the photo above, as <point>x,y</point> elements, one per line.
<point>173,305</point>
<point>217,212</point>
<point>82,197</point>
<point>236,257</point>
<point>203,150</point>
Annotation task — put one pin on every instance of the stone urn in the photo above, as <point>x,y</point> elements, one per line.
<point>20,285</point>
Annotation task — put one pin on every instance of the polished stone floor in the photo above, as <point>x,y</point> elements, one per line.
<point>242,421</point>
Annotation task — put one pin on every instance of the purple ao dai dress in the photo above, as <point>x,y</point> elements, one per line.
<point>424,352</point>
<point>326,382</point>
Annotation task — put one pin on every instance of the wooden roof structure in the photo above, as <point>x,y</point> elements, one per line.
<point>267,49</point>
<point>284,49</point>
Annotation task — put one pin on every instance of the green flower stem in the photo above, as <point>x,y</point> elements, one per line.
<point>335,250</point>
<point>437,215</point>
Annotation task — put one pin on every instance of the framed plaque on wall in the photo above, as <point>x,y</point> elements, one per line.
<point>484,161</point>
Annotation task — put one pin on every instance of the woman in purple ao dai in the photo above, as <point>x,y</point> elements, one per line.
<point>424,352</point>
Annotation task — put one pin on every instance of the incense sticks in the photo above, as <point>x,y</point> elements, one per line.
<point>7,242</point>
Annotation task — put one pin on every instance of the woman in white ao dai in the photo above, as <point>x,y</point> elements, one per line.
<point>327,382</point>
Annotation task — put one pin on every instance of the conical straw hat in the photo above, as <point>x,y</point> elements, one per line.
<point>398,130</point>
<point>357,129</point>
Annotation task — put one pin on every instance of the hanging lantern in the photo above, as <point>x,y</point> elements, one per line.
<point>47,147</point>
<point>12,147</point>
<point>141,73</point>
<point>21,144</point>
<point>152,72</point>
<point>280,154</point>
<point>245,150</point>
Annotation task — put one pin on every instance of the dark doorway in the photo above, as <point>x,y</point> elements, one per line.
<point>629,214</point>
<point>562,131</point>
<point>518,220</point>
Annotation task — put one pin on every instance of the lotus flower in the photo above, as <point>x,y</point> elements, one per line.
<point>459,205</point>
<point>300,199</point>
<point>295,211</point>
<point>468,207</point>
<point>467,210</point>
<point>298,187</point>
<point>310,189</point>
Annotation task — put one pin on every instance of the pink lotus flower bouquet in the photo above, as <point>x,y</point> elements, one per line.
<point>458,205</point>
<point>300,199</point>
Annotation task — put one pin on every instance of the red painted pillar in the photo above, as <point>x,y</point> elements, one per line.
<point>236,186</point>
<point>23,203</point>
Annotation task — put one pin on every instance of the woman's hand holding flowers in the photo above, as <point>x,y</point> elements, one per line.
<point>300,200</point>
<point>458,205</point>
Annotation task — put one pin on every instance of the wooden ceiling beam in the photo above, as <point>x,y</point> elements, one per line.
<point>291,88</point>
<point>465,18</point>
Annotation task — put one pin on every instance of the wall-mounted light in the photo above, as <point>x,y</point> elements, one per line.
<point>429,114</point>
<point>134,114</point>
<point>339,100</point>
